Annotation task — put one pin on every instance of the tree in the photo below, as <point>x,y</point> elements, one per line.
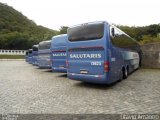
<point>63,29</point>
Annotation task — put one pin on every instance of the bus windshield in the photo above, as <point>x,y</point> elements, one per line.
<point>30,51</point>
<point>35,48</point>
<point>44,45</point>
<point>86,32</point>
<point>26,52</point>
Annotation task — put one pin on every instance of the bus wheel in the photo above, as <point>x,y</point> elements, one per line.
<point>125,73</point>
<point>121,76</point>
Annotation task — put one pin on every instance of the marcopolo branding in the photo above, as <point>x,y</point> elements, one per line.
<point>78,56</point>
<point>59,54</point>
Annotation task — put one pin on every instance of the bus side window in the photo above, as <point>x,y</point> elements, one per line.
<point>122,40</point>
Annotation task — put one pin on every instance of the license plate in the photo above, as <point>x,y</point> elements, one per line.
<point>83,72</point>
<point>61,66</point>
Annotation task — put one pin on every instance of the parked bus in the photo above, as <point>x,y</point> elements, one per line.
<point>44,53</point>
<point>34,54</point>
<point>58,56</point>
<point>26,56</point>
<point>99,52</point>
<point>30,56</point>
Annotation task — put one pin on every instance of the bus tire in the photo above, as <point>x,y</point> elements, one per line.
<point>125,72</point>
<point>121,76</point>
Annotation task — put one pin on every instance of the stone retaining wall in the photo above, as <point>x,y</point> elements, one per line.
<point>151,55</point>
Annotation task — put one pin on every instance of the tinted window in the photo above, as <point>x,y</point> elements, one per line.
<point>122,40</point>
<point>26,52</point>
<point>44,45</point>
<point>86,32</point>
<point>35,48</point>
<point>30,51</point>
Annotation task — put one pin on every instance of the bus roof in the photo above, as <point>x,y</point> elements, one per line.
<point>44,45</point>
<point>34,46</point>
<point>95,22</point>
<point>59,40</point>
<point>57,36</point>
<point>45,41</point>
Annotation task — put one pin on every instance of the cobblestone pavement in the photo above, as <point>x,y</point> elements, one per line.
<point>26,89</point>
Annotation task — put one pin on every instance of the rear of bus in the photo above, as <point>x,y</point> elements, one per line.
<point>58,56</point>
<point>87,54</point>
<point>34,54</point>
<point>30,56</point>
<point>44,53</point>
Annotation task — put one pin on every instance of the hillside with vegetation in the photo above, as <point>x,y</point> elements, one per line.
<point>18,32</point>
<point>145,34</point>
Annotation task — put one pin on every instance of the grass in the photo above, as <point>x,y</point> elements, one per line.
<point>12,56</point>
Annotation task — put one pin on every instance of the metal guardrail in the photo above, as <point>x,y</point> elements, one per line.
<point>12,52</point>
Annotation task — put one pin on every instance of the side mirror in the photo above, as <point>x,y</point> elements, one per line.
<point>112,32</point>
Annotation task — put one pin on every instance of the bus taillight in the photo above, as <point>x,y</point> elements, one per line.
<point>106,66</point>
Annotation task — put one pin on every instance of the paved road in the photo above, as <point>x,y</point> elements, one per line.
<point>27,89</point>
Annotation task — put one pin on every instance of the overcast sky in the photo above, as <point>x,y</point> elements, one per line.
<point>56,13</point>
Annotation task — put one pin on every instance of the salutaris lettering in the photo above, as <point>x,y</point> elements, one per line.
<point>79,56</point>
